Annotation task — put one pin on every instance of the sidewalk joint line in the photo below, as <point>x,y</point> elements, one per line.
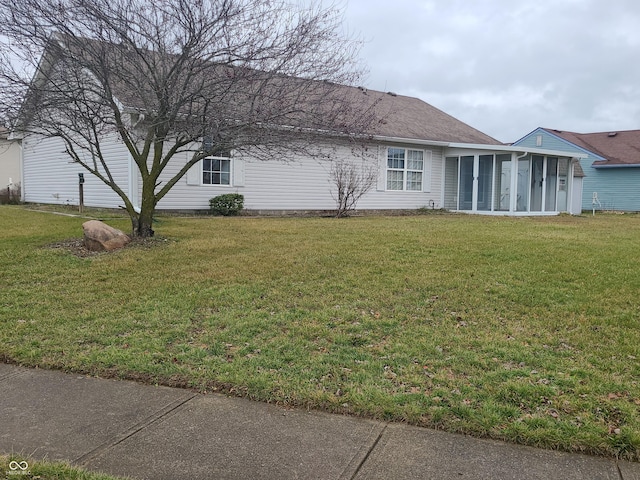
<point>10,375</point>
<point>369,451</point>
<point>147,422</point>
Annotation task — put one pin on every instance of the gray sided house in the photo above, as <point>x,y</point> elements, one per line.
<point>611,164</point>
<point>423,158</point>
<point>10,167</point>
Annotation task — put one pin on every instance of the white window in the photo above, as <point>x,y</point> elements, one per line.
<point>216,171</point>
<point>405,169</point>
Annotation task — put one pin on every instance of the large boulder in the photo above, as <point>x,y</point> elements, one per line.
<point>99,237</point>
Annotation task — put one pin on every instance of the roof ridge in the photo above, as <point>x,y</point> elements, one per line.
<point>604,132</point>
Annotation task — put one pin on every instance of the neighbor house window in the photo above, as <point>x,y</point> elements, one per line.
<point>216,171</point>
<point>405,168</point>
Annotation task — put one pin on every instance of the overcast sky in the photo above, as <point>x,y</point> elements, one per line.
<point>506,67</point>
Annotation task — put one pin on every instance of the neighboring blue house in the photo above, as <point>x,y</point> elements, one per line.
<point>612,167</point>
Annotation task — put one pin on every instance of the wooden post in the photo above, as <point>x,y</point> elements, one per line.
<point>81,187</point>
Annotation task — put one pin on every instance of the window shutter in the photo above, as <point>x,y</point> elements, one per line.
<point>194,174</point>
<point>426,176</point>
<point>382,169</point>
<point>238,172</point>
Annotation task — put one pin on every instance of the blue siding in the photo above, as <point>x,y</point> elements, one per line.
<point>552,142</point>
<point>617,188</point>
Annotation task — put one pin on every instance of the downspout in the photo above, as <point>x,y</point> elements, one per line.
<point>22,189</point>
<point>444,178</point>
<point>514,186</point>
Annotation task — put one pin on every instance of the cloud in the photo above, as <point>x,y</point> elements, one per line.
<point>507,67</point>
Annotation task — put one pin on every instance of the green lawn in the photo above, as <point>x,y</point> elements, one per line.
<point>19,467</point>
<point>524,329</point>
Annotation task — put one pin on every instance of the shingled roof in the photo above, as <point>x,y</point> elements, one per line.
<point>411,118</point>
<point>616,148</point>
<point>395,116</point>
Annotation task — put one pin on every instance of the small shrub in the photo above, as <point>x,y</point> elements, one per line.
<point>431,211</point>
<point>10,196</point>
<point>351,182</point>
<point>227,204</point>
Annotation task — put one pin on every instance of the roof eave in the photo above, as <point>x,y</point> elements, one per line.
<point>480,146</point>
<point>414,141</point>
<point>515,148</point>
<point>618,165</point>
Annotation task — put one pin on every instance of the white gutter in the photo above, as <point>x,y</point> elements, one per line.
<point>481,146</point>
<point>518,149</point>
<point>414,141</point>
<point>618,165</point>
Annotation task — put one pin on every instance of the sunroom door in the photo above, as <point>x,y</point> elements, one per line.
<point>475,192</point>
<point>465,201</point>
<point>551,185</point>
<point>502,188</point>
<point>544,183</point>
<point>523,185</point>
<point>485,182</point>
<point>537,183</point>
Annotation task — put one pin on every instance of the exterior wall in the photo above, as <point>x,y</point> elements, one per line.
<point>303,184</point>
<point>51,177</point>
<point>9,163</point>
<point>617,188</point>
<point>576,196</point>
<point>549,142</point>
<point>450,196</point>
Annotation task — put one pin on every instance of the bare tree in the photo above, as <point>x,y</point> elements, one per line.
<point>352,181</point>
<point>172,76</point>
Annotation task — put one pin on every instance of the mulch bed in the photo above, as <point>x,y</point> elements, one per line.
<point>75,246</point>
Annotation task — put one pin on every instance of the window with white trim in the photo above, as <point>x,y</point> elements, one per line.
<point>405,169</point>
<point>216,171</point>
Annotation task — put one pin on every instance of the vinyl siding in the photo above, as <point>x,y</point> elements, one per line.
<point>51,177</point>
<point>451,185</point>
<point>617,189</point>
<point>300,184</point>
<point>9,163</point>
<point>576,196</point>
<point>549,142</point>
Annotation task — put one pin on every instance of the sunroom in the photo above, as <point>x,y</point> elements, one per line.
<point>503,180</point>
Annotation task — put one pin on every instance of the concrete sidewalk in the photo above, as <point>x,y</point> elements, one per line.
<point>147,432</point>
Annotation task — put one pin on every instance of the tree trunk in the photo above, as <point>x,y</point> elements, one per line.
<point>143,222</point>
<point>144,226</point>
